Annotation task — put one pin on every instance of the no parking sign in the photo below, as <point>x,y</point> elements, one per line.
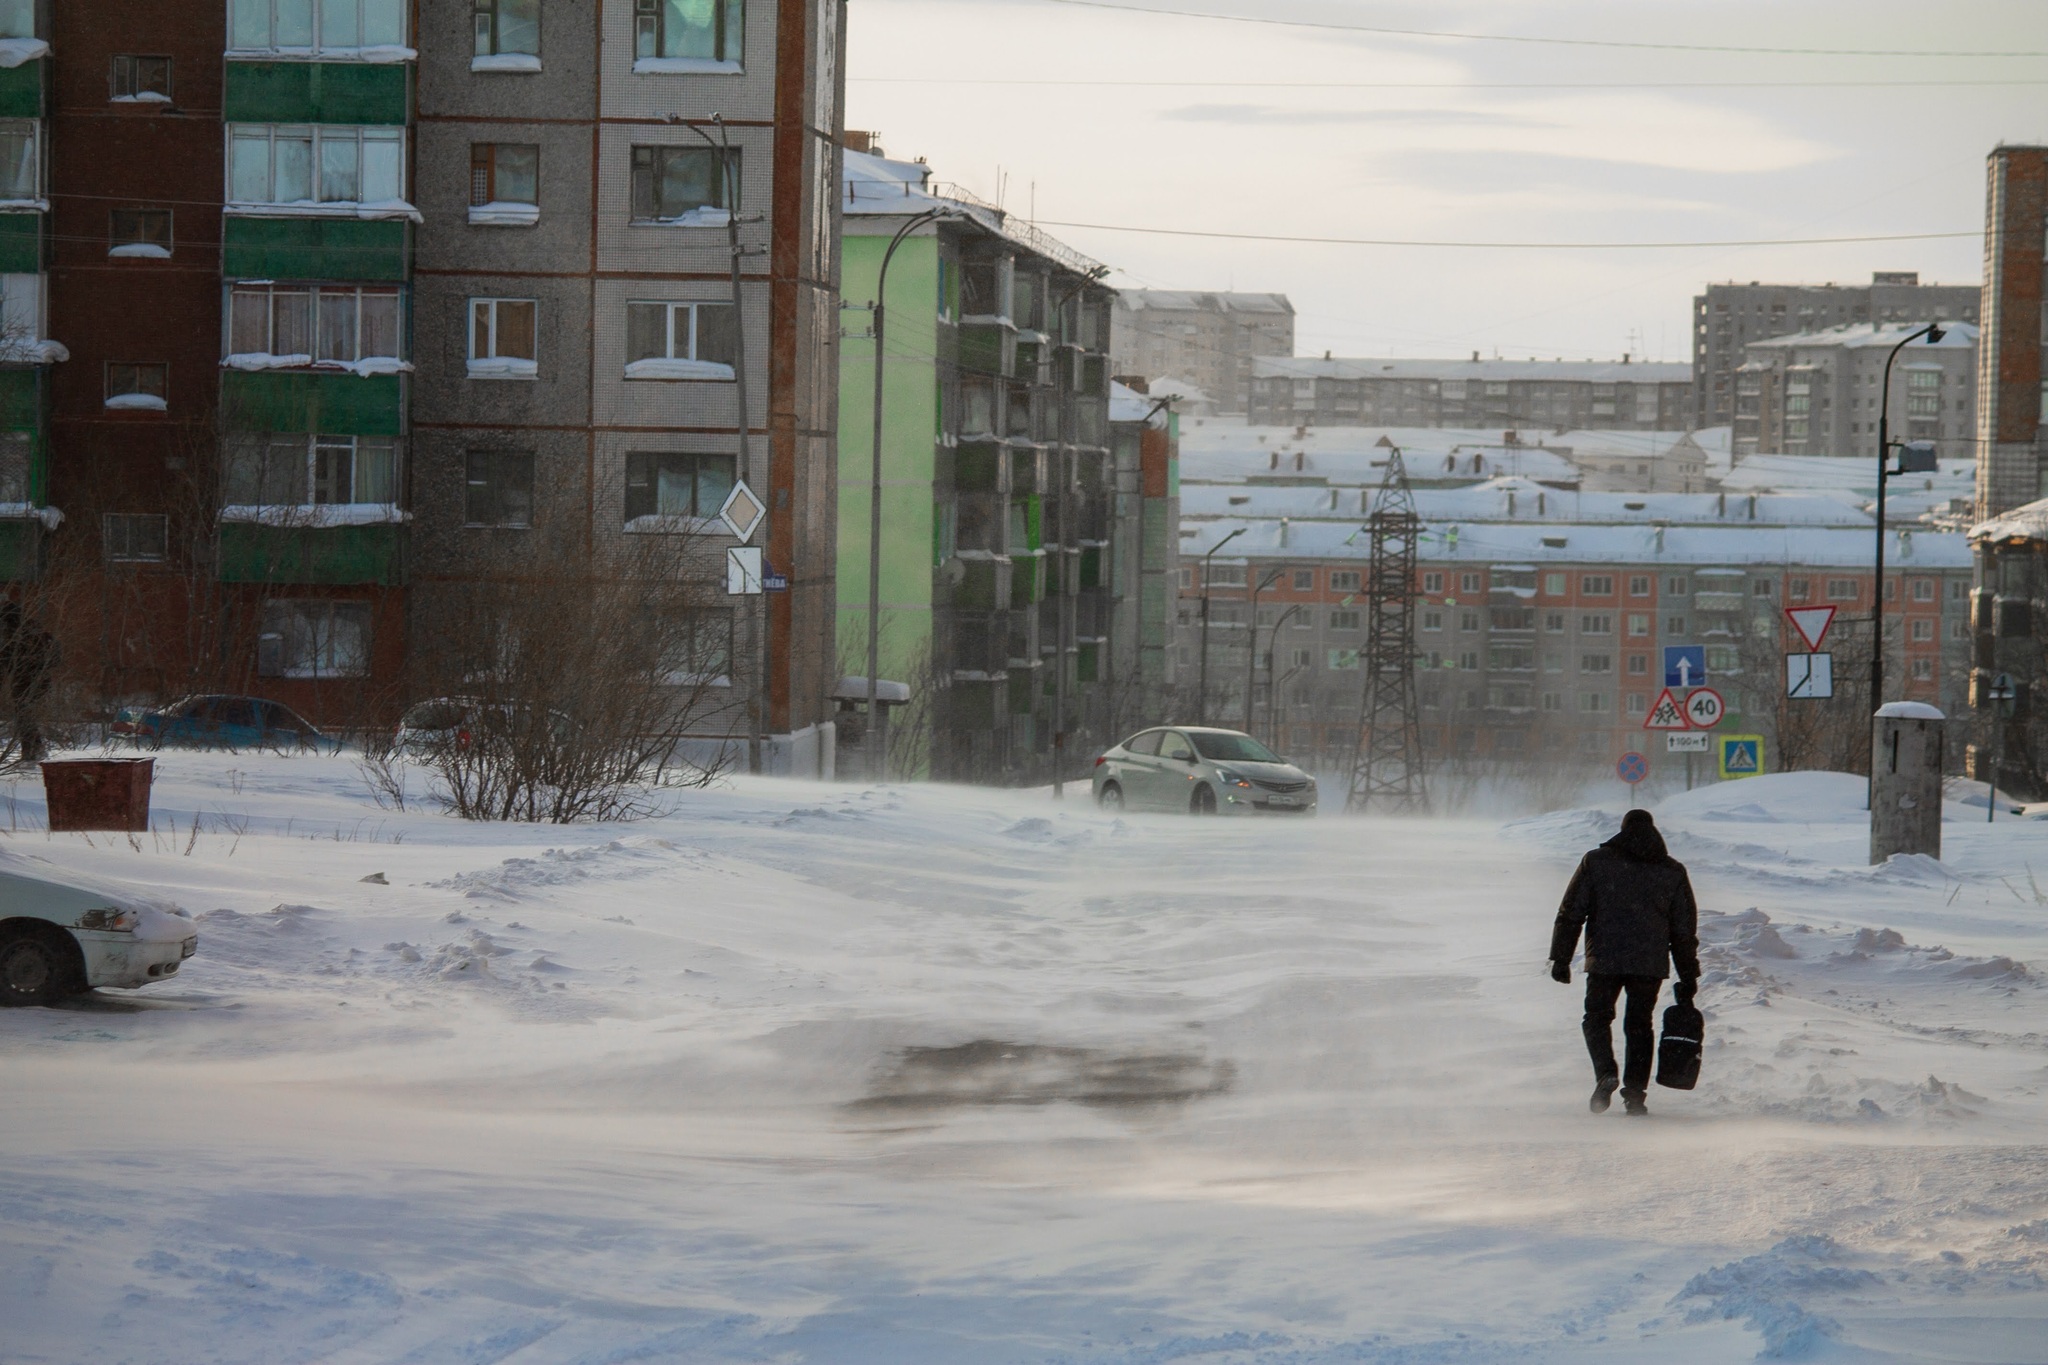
<point>1632,768</point>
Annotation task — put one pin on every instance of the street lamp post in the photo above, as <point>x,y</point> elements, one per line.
<point>1202,680</point>
<point>1251,666</point>
<point>877,763</point>
<point>1273,689</point>
<point>1933,332</point>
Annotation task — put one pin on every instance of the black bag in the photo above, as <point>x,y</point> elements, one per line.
<point>1678,1051</point>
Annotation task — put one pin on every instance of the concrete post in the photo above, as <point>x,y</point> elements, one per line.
<point>1905,783</point>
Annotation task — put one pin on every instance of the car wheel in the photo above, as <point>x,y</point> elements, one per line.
<point>1204,800</point>
<point>35,970</point>
<point>1111,797</point>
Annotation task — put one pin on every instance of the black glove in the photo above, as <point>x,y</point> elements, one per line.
<point>1684,991</point>
<point>1561,973</point>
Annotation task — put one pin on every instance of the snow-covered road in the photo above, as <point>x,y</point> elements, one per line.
<point>838,1074</point>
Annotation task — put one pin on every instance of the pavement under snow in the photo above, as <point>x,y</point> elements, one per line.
<point>837,1074</point>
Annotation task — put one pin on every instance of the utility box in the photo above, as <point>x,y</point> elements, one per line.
<point>1905,780</point>
<point>98,794</point>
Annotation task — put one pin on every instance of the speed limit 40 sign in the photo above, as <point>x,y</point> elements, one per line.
<point>1704,708</point>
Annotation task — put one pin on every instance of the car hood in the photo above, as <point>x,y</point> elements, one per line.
<point>25,892</point>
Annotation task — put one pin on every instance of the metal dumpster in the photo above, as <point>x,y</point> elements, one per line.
<point>98,793</point>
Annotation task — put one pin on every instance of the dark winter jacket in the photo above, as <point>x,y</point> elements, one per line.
<point>1634,902</point>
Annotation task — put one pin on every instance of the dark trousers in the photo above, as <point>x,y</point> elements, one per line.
<point>1637,1027</point>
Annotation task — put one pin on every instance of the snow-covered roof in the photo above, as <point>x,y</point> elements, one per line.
<point>1593,371</point>
<point>1205,301</point>
<point>2022,523</point>
<point>876,186</point>
<point>1229,450</point>
<point>1521,500</point>
<point>1278,539</point>
<point>1126,404</point>
<point>1856,336</point>
<point>1793,473</point>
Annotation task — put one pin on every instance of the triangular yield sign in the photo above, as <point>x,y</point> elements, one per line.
<point>1812,623</point>
<point>1667,714</point>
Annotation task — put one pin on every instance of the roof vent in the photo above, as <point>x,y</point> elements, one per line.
<point>1239,499</point>
<point>1556,542</point>
<point>1635,506</point>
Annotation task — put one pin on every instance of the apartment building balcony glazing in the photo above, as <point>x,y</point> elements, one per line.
<point>316,250</point>
<point>26,351</point>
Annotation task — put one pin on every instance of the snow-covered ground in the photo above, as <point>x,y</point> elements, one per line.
<point>838,1074</point>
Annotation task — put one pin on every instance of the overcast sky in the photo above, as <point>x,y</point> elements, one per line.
<point>1306,132</point>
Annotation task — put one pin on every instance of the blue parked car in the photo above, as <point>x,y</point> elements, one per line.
<point>222,722</point>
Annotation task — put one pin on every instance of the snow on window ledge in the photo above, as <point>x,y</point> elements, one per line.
<point>503,367</point>
<point>15,51</point>
<point>503,213</point>
<point>506,61</point>
<point>251,361</point>
<point>308,208</point>
<point>137,402</point>
<point>678,369</point>
<point>140,251</point>
<point>659,525</point>
<point>317,515</point>
<point>145,97</point>
<point>684,66</point>
<point>377,54</point>
<point>706,217</point>
<point>50,517</point>
<point>34,352</point>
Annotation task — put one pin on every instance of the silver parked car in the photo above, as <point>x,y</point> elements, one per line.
<point>60,938</point>
<point>1203,772</point>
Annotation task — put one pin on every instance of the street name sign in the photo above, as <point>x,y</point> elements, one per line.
<point>1685,665</point>
<point>1812,623</point>
<point>1704,709</point>
<point>1809,677</point>
<point>1667,714</point>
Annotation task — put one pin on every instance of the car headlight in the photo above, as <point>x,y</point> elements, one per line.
<point>1231,779</point>
<point>110,920</point>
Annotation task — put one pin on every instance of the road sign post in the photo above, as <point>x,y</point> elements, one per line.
<point>1690,743</point>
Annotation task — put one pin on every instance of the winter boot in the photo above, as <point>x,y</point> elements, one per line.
<point>1603,1093</point>
<point>1632,1100</point>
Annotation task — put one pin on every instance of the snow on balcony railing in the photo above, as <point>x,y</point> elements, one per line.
<point>377,54</point>
<point>503,213</point>
<point>311,208</point>
<point>255,361</point>
<point>15,51</point>
<point>316,516</point>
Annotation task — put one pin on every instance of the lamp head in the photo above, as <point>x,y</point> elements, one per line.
<point>1935,332</point>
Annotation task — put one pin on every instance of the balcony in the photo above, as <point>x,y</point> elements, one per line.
<point>254,552</point>
<point>21,86</point>
<point>318,92</point>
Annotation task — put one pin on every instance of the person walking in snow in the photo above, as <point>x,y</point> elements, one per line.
<point>1634,902</point>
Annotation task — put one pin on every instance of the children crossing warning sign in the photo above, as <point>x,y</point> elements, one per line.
<point>1667,714</point>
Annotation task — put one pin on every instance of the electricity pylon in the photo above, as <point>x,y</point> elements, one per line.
<point>1387,772</point>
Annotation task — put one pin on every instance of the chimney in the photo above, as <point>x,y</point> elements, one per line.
<point>1752,507</point>
<point>1475,357</point>
<point>857,140</point>
<point>1721,506</point>
<point>1283,533</point>
<point>1300,461</point>
<point>1273,460</point>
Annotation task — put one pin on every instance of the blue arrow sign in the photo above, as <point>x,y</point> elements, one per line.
<point>1685,665</point>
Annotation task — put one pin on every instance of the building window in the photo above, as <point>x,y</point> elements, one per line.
<point>1959,630</point>
<point>1304,580</point>
<point>1468,582</point>
<point>17,18</point>
<point>1553,701</point>
<point>293,469</point>
<point>140,232</point>
<point>1638,665</point>
<point>1468,620</point>
<point>1597,585</point>
<point>504,184</point>
<point>682,184</point>
<point>1923,590</point>
<point>1638,623</point>
<point>135,537</point>
<point>281,326</point>
<point>1432,583</point>
<point>1226,575</point>
<point>140,80</point>
<point>508,27</point>
<point>1639,585</point>
<point>314,639</point>
<point>499,491</point>
<point>501,339</point>
<point>1801,589</point>
<point>1596,625</point>
<point>1958,590</point>
<point>1187,577</point>
<point>1593,703</point>
<point>324,164</point>
<point>664,486</point>
<point>1762,588</point>
<point>1553,622</point>
<point>1596,663</point>
<point>1344,620</point>
<point>1343,660</point>
<point>21,172</point>
<point>688,31</point>
<point>1469,661</point>
<point>17,450</point>
<point>1923,630</point>
<point>315,25</point>
<point>1923,670</point>
<point>1553,585</point>
<point>1843,590</point>
<point>138,387</point>
<point>681,340</point>
<point>1676,587</point>
<point>1344,580</point>
<point>1432,620</point>
<point>1638,704</point>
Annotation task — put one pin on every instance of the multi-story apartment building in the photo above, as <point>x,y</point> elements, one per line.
<point>1729,318</point>
<point>1000,522</point>
<point>1819,393</point>
<point>1542,615</point>
<point>27,355</point>
<point>438,294</point>
<point>1539,395</point>
<point>1206,339</point>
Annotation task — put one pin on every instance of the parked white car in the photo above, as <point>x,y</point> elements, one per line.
<point>59,938</point>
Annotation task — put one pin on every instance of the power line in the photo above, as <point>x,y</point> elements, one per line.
<point>1510,246</point>
<point>1475,87</point>
<point>1327,26</point>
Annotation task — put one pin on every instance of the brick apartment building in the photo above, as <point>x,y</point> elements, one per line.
<point>1536,395</point>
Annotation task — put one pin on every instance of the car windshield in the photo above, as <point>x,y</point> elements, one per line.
<point>1229,748</point>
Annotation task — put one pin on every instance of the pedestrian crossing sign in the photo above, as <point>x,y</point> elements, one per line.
<point>1742,755</point>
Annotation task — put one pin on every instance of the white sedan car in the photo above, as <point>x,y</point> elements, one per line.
<point>1202,771</point>
<point>60,938</point>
